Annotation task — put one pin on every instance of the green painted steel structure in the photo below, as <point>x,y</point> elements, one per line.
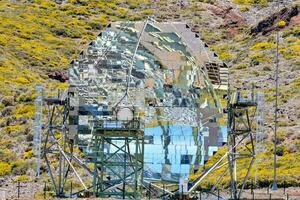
<point>118,170</point>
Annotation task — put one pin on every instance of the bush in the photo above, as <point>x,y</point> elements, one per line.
<point>132,4</point>
<point>267,68</point>
<point>22,80</point>
<point>13,129</point>
<point>286,123</point>
<point>241,66</point>
<point>281,150</point>
<point>281,24</point>
<point>251,2</point>
<point>281,135</point>
<point>22,178</point>
<point>8,100</point>
<point>244,9</point>
<point>263,46</point>
<point>28,154</point>
<point>257,58</point>
<point>225,56</point>
<point>7,156</point>
<point>255,72</point>
<point>20,167</point>
<point>5,169</point>
<point>25,111</point>
<point>290,52</point>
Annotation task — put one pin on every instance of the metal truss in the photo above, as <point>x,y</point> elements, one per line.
<point>58,150</point>
<point>117,154</point>
<point>240,147</point>
<point>118,157</point>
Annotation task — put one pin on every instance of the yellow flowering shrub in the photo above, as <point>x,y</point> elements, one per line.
<point>5,169</point>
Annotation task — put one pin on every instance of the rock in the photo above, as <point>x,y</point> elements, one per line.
<point>295,21</point>
<point>227,13</point>
<point>6,111</point>
<point>269,23</point>
<point>22,120</point>
<point>60,76</point>
<point>8,101</point>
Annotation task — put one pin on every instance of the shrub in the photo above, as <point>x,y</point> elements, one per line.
<point>281,24</point>
<point>251,2</point>
<point>22,80</point>
<point>263,46</point>
<point>290,52</point>
<point>28,154</point>
<point>20,167</point>
<point>255,72</point>
<point>4,143</point>
<point>286,123</point>
<point>281,150</point>
<point>75,184</point>
<point>8,100</point>
<point>147,12</point>
<point>267,68</point>
<point>5,169</point>
<point>13,129</point>
<point>225,56</point>
<point>25,97</point>
<point>7,156</point>
<point>257,58</point>
<point>132,4</point>
<point>22,178</point>
<point>281,136</point>
<point>241,66</point>
<point>3,40</point>
<point>25,111</point>
<point>81,11</point>
<point>122,12</point>
<point>244,9</point>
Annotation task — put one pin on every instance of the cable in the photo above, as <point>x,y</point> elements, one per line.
<point>132,62</point>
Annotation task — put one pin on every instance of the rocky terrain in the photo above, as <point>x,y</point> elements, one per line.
<point>39,38</point>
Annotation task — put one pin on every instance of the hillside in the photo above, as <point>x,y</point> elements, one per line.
<point>39,38</point>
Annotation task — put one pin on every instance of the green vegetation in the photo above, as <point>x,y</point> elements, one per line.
<point>28,154</point>
<point>22,178</point>
<point>20,167</point>
<point>5,168</point>
<point>225,56</point>
<point>244,9</point>
<point>281,24</point>
<point>263,46</point>
<point>251,2</point>
<point>287,174</point>
<point>257,58</point>
<point>241,66</point>
<point>290,52</point>
<point>267,68</point>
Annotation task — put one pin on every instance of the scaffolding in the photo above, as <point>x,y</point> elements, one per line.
<point>240,128</point>
<point>117,153</point>
<point>38,124</point>
<point>240,146</point>
<point>62,164</point>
